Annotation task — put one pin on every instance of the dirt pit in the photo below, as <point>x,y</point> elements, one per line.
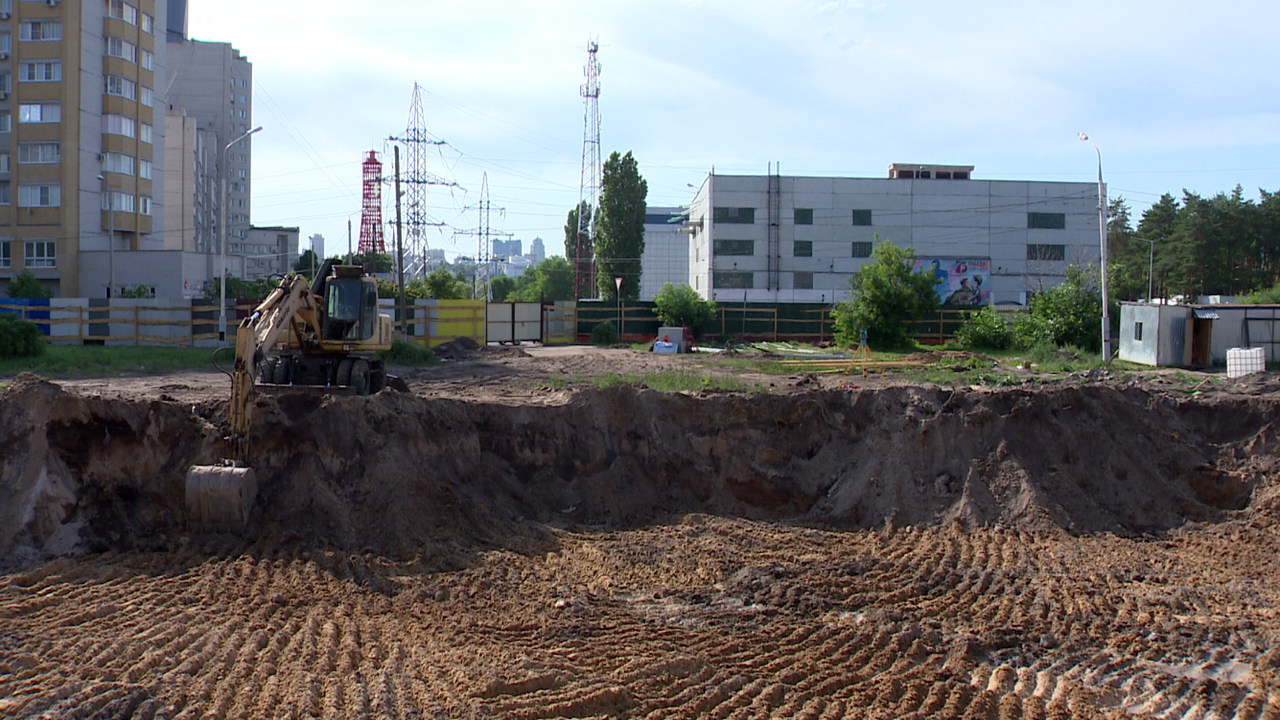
<point>501,544</point>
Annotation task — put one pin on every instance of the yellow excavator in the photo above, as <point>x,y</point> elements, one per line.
<point>325,334</point>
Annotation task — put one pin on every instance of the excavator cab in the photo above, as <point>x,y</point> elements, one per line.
<point>351,307</point>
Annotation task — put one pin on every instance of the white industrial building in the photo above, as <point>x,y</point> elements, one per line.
<point>769,238</point>
<point>666,251</point>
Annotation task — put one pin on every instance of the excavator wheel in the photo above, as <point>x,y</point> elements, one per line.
<point>219,497</point>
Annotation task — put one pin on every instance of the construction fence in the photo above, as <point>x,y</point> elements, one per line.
<point>196,323</point>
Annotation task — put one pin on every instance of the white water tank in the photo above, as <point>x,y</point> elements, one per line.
<point>1244,361</point>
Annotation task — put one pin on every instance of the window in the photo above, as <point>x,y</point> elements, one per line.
<point>803,280</point>
<point>862,217</point>
<point>41,254</point>
<point>118,163</point>
<point>1046,252</point>
<point>119,125</point>
<point>6,259</point>
<point>41,153</point>
<point>803,248</point>
<point>144,169</point>
<point>6,43</point>
<point>4,162</point>
<point>1046,221</point>
<point>804,216</point>
<point>40,195</point>
<point>734,279</point>
<point>121,48</point>
<point>118,201</point>
<point>735,247</point>
<point>40,71</point>
<point>739,215</point>
<point>39,113</point>
<point>121,87</point>
<point>862,249</point>
<point>1137,331</point>
<point>144,204</point>
<point>148,24</point>
<point>6,82</point>
<point>6,122</point>
<point>144,133</point>
<point>5,196</point>
<point>40,30</point>
<point>148,59</point>
<point>121,10</point>
<point>148,96</point>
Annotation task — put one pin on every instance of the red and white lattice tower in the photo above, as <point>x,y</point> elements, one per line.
<point>584,271</point>
<point>371,207</point>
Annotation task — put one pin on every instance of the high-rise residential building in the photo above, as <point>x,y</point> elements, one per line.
<point>80,144</point>
<point>537,251</point>
<point>213,83</point>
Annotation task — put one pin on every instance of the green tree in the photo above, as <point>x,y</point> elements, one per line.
<point>239,288</point>
<point>308,264</point>
<point>25,285</point>
<point>502,287</point>
<point>885,295</point>
<point>548,281</point>
<point>620,235</point>
<point>377,262</point>
<point>680,305</point>
<point>443,285</point>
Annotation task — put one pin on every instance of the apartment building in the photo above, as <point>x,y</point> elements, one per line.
<point>80,145</point>
<point>768,238</point>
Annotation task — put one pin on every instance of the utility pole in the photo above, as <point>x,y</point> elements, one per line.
<point>404,310</point>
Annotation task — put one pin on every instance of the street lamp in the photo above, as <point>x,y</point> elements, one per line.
<point>1151,263</point>
<point>1102,242</point>
<point>222,207</point>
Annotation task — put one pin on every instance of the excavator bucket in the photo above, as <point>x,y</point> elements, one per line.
<point>219,497</point>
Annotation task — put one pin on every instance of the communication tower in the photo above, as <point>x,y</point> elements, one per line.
<point>584,283</point>
<point>371,206</point>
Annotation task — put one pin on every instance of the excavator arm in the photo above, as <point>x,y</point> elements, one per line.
<point>291,303</point>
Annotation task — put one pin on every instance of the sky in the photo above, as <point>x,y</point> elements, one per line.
<point>1175,95</point>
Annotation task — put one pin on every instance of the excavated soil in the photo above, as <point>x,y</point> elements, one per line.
<point>507,541</point>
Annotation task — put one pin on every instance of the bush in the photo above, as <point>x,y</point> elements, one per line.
<point>1067,314</point>
<point>25,285</point>
<point>604,334</point>
<point>403,352</point>
<point>680,306</point>
<point>19,338</point>
<point>985,330</point>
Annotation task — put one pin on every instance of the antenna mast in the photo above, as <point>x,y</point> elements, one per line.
<point>584,284</point>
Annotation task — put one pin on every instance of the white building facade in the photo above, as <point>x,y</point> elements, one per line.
<point>768,238</point>
<point>666,251</point>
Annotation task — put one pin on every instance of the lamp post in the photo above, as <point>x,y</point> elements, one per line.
<point>1102,242</point>
<point>222,228</point>
<point>1151,263</point>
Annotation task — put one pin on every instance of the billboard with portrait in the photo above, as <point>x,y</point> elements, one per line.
<point>959,282</point>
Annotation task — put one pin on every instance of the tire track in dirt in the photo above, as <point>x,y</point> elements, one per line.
<point>706,617</point>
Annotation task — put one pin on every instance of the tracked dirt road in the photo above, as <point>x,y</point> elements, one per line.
<point>1098,550</point>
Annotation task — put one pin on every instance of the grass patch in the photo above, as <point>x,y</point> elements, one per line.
<point>675,381</point>
<point>407,353</point>
<point>78,361</point>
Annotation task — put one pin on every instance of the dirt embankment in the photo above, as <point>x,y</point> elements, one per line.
<point>400,474</point>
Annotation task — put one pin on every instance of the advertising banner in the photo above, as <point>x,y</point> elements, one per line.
<point>964,282</point>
